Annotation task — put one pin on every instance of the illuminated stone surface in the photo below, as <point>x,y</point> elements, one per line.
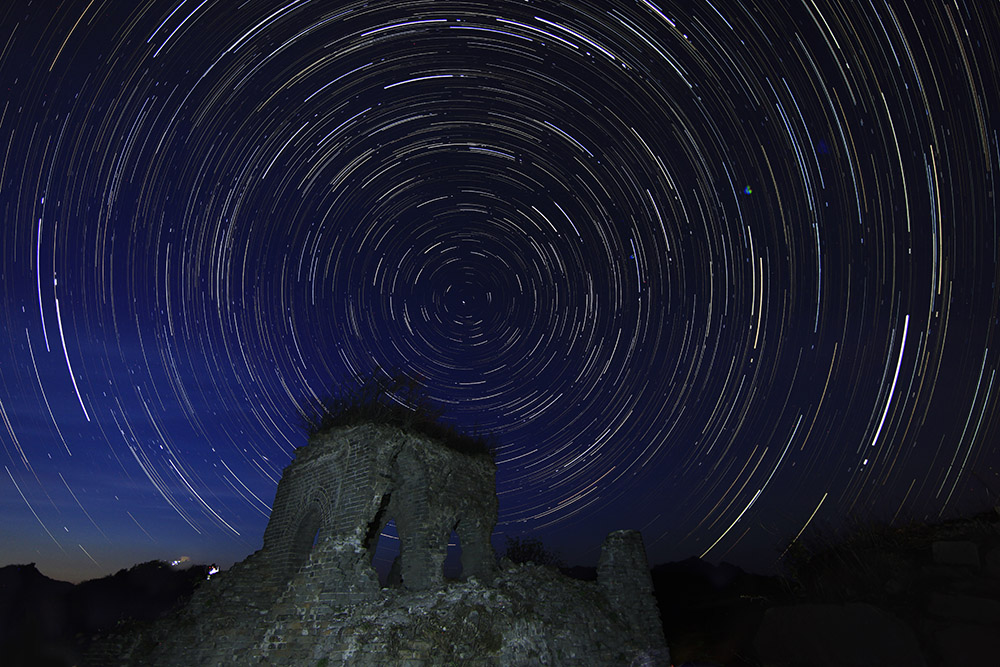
<point>310,594</point>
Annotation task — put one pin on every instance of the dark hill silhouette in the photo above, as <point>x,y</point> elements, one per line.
<point>33,613</point>
<point>47,622</point>
<point>711,612</point>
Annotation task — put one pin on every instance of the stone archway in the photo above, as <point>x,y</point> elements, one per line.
<point>306,535</point>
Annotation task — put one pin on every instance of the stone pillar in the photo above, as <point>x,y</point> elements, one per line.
<point>422,550</point>
<point>623,575</point>
<point>477,551</point>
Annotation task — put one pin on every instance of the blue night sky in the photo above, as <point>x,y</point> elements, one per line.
<point>711,270</point>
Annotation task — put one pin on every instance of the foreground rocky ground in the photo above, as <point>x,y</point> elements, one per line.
<point>908,596</point>
<point>921,594</point>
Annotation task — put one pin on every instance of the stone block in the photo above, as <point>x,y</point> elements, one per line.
<point>965,645</point>
<point>980,586</point>
<point>936,571</point>
<point>955,552</point>
<point>832,635</point>
<point>991,563</point>
<point>981,610</point>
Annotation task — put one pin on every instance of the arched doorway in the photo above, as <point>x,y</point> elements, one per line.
<point>305,538</point>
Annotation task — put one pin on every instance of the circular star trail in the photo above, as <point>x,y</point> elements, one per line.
<point>717,271</point>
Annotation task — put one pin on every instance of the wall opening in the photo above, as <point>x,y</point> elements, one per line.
<point>305,538</point>
<point>386,556</point>
<point>453,560</point>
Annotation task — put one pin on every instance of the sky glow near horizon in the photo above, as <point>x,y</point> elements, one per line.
<point>717,271</point>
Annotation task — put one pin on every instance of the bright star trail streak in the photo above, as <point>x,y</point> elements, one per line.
<point>722,272</point>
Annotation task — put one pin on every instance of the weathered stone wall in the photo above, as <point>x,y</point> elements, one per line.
<point>357,478</point>
<point>311,594</point>
<point>623,575</point>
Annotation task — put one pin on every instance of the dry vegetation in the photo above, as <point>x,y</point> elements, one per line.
<point>394,399</point>
<point>872,561</point>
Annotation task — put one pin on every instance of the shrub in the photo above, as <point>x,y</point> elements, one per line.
<point>531,550</point>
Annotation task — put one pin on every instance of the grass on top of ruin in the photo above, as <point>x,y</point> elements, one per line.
<point>396,400</point>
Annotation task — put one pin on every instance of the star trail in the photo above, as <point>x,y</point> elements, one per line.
<point>724,272</point>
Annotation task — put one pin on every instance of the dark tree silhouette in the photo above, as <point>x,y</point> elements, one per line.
<point>531,550</point>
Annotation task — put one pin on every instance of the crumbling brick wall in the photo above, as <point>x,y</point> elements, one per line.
<point>350,481</point>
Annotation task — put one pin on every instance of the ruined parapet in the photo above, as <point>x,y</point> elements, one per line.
<point>623,575</point>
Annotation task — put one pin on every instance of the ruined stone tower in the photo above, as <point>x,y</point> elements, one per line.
<point>311,596</point>
<point>342,489</point>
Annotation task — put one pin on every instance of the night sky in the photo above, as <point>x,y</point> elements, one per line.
<point>717,271</point>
